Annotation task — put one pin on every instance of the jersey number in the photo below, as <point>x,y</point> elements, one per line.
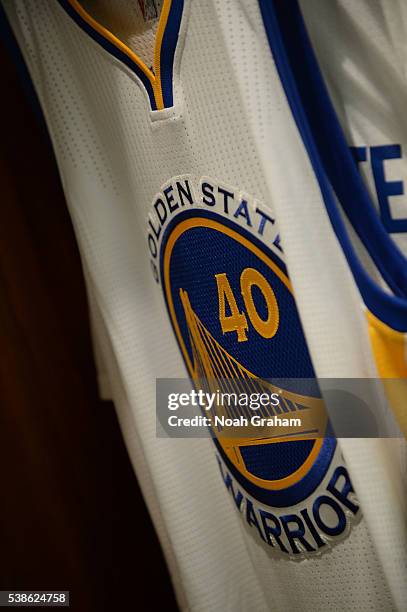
<point>236,321</point>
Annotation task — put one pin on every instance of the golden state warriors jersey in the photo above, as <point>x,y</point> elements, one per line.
<point>235,175</point>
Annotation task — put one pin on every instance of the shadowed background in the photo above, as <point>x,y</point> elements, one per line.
<point>71,514</point>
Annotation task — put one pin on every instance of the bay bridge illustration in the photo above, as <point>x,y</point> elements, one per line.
<point>214,370</point>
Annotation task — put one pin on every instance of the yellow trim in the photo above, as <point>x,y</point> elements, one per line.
<point>158,94</point>
<point>389,348</point>
<point>390,352</point>
<point>155,79</point>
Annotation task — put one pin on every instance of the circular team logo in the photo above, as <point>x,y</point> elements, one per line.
<point>234,316</point>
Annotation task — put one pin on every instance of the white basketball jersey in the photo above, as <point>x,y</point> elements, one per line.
<point>212,176</point>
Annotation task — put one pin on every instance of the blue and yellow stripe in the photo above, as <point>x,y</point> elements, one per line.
<point>157,82</point>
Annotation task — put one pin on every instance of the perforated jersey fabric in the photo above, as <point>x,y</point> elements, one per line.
<point>125,20</point>
<point>230,126</point>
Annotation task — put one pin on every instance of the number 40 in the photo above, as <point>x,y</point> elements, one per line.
<point>237,321</point>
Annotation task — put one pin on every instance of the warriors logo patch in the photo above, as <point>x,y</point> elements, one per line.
<point>217,255</point>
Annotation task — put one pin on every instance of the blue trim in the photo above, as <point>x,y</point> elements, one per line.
<point>168,47</point>
<point>332,161</point>
<point>334,151</point>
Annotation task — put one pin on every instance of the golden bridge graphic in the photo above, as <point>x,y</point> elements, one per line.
<point>214,369</point>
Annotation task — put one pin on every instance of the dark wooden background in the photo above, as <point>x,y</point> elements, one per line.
<point>71,513</point>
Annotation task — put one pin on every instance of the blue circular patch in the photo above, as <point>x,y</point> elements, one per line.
<point>197,246</point>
